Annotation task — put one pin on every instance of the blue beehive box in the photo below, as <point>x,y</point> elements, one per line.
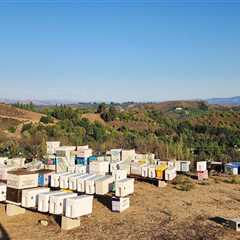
<point>81,161</point>
<point>44,177</point>
<point>92,158</point>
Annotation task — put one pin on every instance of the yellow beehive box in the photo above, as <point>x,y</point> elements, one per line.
<point>160,171</point>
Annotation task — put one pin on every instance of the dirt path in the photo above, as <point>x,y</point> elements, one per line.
<point>154,214</point>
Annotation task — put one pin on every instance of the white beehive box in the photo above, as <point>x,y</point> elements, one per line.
<point>151,171</point>
<point>170,173</point>
<point>58,202</point>
<point>128,155</point>
<point>3,171</point>
<point>145,170</point>
<point>81,182</point>
<point>137,169</point>
<point>79,206</point>
<point>52,146</point>
<point>71,169</point>
<point>119,174</point>
<point>80,169</point>
<point>72,181</point>
<point>99,167</point>
<point>114,166</point>
<point>125,166</point>
<point>43,200</point>
<point>84,147</point>
<point>104,185</point>
<point>22,179</point>
<point>84,153</point>
<point>55,179</point>
<point>124,187</point>
<point>64,180</point>
<point>30,196</point>
<point>90,184</point>
<point>3,192</point>
<point>201,166</point>
<point>116,154</point>
<point>120,204</point>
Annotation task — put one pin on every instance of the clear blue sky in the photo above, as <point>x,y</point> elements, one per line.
<point>119,51</point>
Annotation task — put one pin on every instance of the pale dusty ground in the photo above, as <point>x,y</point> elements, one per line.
<point>155,213</point>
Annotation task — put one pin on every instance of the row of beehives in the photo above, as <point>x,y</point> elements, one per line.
<point>22,180</point>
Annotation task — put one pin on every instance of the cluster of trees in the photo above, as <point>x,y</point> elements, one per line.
<point>166,136</point>
<point>27,106</point>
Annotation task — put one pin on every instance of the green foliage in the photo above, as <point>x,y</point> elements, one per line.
<point>46,119</point>
<point>12,129</point>
<point>28,106</point>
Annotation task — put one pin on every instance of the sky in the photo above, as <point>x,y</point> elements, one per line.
<point>119,50</point>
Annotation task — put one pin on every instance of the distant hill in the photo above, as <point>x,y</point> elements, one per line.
<point>234,101</point>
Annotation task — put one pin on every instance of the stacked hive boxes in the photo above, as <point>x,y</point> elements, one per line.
<point>121,200</point>
<point>202,171</point>
<point>17,181</point>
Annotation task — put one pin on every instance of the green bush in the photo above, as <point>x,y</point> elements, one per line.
<point>12,129</point>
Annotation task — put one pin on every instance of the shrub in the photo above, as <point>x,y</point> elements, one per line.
<point>233,180</point>
<point>183,183</point>
<point>12,129</point>
<point>46,119</point>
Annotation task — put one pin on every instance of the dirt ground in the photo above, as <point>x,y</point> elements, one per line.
<point>166,214</point>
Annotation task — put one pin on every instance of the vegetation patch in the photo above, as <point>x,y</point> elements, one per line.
<point>232,180</point>
<point>183,183</point>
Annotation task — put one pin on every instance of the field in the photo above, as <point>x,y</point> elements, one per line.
<point>155,213</point>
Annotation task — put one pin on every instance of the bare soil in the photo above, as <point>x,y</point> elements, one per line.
<point>166,214</point>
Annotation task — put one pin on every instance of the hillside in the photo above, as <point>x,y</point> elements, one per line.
<point>8,111</point>
<point>191,130</point>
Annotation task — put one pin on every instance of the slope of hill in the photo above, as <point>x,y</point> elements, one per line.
<point>8,111</point>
